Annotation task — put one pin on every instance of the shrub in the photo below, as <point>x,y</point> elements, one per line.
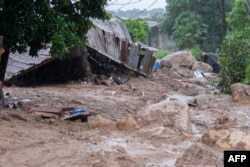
<point>196,52</point>
<point>162,53</point>
<point>234,58</point>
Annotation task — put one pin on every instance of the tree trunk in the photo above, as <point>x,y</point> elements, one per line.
<point>3,64</point>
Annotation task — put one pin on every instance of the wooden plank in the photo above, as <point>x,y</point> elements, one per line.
<point>47,110</point>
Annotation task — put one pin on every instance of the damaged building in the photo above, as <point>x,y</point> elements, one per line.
<point>110,52</point>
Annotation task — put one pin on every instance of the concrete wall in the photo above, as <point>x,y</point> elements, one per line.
<point>159,39</point>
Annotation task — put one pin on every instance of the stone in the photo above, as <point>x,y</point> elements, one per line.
<point>226,140</point>
<point>240,92</point>
<point>127,124</point>
<point>171,114</point>
<point>198,65</point>
<point>200,155</point>
<point>178,59</point>
<point>100,122</point>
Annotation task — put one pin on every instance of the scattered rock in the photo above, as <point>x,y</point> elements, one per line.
<point>100,122</point>
<point>240,92</point>
<point>202,101</point>
<point>202,66</point>
<point>178,59</point>
<point>126,124</point>
<point>227,140</point>
<point>198,155</point>
<point>173,114</point>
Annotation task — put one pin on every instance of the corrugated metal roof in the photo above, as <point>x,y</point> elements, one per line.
<point>109,38</point>
<point>20,64</point>
<point>112,39</point>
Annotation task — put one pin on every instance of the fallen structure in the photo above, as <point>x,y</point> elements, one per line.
<point>109,39</point>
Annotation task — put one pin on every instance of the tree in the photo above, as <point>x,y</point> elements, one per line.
<point>188,30</point>
<point>211,13</point>
<point>137,29</point>
<point>37,24</point>
<point>235,49</point>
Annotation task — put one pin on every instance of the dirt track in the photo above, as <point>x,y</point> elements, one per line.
<point>35,142</point>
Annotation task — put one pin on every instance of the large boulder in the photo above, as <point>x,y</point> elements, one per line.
<point>198,65</point>
<point>100,122</point>
<point>198,155</point>
<point>178,59</point>
<point>240,92</point>
<point>226,140</point>
<point>170,114</point>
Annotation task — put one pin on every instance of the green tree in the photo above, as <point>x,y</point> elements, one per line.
<point>209,13</point>
<point>37,24</point>
<point>137,29</point>
<point>235,50</point>
<point>188,30</point>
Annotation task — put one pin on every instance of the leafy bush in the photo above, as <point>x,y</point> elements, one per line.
<point>162,53</point>
<point>196,52</point>
<point>234,58</point>
<point>137,29</point>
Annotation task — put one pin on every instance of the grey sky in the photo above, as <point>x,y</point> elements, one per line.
<point>138,4</point>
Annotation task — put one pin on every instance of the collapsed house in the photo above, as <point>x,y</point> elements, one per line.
<point>109,49</point>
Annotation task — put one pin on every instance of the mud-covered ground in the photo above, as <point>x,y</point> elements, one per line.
<point>28,141</point>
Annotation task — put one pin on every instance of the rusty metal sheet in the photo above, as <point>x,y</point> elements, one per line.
<point>133,59</point>
<point>20,64</point>
<point>111,39</point>
<point>147,62</point>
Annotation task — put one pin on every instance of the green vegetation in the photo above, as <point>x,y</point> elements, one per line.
<point>138,30</point>
<point>235,50</point>
<point>196,52</point>
<point>41,23</point>
<point>196,22</point>
<point>161,54</point>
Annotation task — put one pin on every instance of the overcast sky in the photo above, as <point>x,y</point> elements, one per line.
<point>138,4</point>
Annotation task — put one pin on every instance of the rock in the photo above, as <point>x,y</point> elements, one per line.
<point>240,92</point>
<point>159,132</point>
<point>126,124</point>
<point>178,59</point>
<point>198,155</point>
<point>100,122</point>
<point>171,114</point>
<point>198,65</point>
<point>201,101</point>
<point>227,140</point>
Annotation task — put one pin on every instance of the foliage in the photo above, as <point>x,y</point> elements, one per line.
<point>208,13</point>
<point>196,52</point>
<point>137,29</point>
<point>234,56</point>
<point>161,54</point>
<point>235,50</point>
<point>188,30</point>
<point>41,23</point>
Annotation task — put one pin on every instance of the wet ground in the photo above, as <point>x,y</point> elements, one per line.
<point>30,141</point>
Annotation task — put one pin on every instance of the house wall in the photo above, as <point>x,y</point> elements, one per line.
<point>159,39</point>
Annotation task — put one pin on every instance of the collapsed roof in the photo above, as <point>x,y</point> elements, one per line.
<point>109,38</point>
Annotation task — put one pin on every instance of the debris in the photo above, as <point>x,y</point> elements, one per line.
<point>83,116</point>
<point>119,80</point>
<point>76,111</point>
<point>47,112</point>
